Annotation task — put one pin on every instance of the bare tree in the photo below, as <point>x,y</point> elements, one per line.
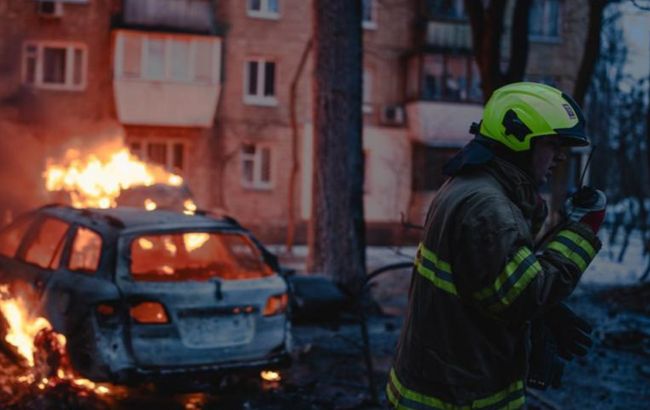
<point>336,234</point>
<point>487,22</point>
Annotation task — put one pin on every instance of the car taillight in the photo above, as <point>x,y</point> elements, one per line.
<point>276,304</point>
<point>149,313</point>
<point>105,309</point>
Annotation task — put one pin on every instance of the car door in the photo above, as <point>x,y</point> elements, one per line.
<point>38,255</point>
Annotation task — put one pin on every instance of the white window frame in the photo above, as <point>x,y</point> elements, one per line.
<point>143,154</point>
<point>257,183</point>
<point>70,48</point>
<point>372,23</point>
<point>168,39</point>
<point>549,38</point>
<point>259,98</point>
<point>366,91</point>
<point>264,12</point>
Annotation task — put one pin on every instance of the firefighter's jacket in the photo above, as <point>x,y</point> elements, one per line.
<point>476,283</point>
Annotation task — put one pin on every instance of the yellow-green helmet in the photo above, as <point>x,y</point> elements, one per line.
<point>520,112</point>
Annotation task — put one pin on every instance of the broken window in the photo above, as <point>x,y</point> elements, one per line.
<point>132,56</point>
<point>12,235</point>
<point>195,256</point>
<point>46,246</point>
<point>256,166</point>
<point>86,250</point>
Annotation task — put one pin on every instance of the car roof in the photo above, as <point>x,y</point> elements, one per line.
<point>138,219</point>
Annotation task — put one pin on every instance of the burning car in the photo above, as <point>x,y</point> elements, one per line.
<point>141,295</point>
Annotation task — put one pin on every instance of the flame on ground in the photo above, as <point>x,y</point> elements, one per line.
<point>270,376</point>
<point>96,181</point>
<point>21,331</point>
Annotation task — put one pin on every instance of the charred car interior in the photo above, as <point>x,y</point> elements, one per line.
<point>143,295</point>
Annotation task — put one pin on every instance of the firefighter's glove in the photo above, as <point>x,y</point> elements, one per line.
<point>571,332</point>
<point>587,206</point>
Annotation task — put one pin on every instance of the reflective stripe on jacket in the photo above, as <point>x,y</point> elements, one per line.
<point>477,282</point>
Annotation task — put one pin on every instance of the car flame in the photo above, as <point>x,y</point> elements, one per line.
<point>22,330</point>
<point>95,181</point>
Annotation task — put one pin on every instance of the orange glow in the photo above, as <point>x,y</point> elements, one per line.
<point>21,331</point>
<point>96,180</point>
<point>150,205</point>
<point>270,376</point>
<point>194,241</point>
<point>190,207</point>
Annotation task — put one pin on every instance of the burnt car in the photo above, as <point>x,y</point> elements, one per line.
<point>145,295</point>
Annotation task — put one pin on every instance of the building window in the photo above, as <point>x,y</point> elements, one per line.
<point>544,20</point>
<point>547,79</point>
<point>170,154</point>
<point>369,14</point>
<point>427,166</point>
<point>168,58</point>
<point>445,9</point>
<point>259,82</point>
<point>367,91</point>
<point>267,9</point>
<point>444,77</point>
<point>55,65</point>
<point>256,166</point>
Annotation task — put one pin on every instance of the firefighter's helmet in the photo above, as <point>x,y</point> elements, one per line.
<point>518,113</point>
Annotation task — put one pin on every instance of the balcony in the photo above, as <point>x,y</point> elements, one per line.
<point>189,16</point>
<point>166,79</point>
<point>455,35</point>
<point>442,124</point>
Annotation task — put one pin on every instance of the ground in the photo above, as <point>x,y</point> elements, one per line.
<point>328,370</point>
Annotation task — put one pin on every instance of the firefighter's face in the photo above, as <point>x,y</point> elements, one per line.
<point>547,154</point>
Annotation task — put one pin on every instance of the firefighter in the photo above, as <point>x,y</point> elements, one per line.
<point>479,280</point>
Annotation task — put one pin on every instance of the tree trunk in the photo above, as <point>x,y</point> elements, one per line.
<point>337,231</point>
<point>487,29</point>
<point>592,50</point>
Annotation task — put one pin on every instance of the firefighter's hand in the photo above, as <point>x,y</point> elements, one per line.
<point>587,206</point>
<point>571,332</point>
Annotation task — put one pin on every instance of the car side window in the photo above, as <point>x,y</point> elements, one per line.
<point>11,236</point>
<point>46,247</point>
<point>86,251</point>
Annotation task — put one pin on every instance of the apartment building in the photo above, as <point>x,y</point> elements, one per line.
<point>204,88</point>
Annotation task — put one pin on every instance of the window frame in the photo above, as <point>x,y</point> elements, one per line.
<point>168,44</point>
<point>170,143</point>
<point>30,237</point>
<point>544,37</point>
<point>259,98</point>
<point>264,13</point>
<point>367,81</point>
<point>372,23</point>
<point>257,182</point>
<point>72,233</point>
<point>418,68</point>
<point>39,68</point>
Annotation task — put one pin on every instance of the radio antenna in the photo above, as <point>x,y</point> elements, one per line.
<point>584,170</point>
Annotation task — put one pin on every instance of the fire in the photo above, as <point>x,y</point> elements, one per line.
<point>150,205</point>
<point>190,207</point>
<point>193,241</point>
<point>23,330</point>
<point>270,376</point>
<point>96,181</point>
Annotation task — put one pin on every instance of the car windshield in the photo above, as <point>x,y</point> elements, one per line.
<point>180,256</point>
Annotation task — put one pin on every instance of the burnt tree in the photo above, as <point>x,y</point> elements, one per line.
<point>336,234</point>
